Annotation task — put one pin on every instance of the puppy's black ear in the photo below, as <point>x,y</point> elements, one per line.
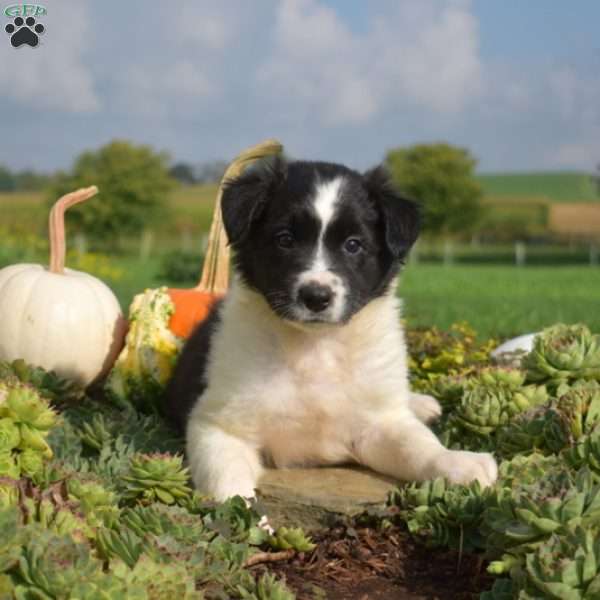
<point>401,216</point>
<point>245,198</point>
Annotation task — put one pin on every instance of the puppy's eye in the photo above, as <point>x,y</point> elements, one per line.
<point>352,246</point>
<point>284,239</point>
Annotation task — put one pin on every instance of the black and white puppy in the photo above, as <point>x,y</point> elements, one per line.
<point>304,363</point>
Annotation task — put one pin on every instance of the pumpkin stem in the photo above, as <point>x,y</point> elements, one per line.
<point>57,225</point>
<point>215,273</point>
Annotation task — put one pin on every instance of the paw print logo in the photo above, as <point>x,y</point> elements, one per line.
<point>24,32</point>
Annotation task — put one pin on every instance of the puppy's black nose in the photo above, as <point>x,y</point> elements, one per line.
<point>315,297</point>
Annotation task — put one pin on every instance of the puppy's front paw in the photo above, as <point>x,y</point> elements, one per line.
<point>427,408</point>
<point>459,466</point>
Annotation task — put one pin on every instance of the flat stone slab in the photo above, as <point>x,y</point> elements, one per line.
<point>315,498</point>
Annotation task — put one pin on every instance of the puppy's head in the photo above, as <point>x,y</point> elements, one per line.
<point>317,240</point>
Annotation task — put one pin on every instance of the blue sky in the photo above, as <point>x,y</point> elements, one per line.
<point>344,80</point>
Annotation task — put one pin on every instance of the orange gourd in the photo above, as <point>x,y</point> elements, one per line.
<point>193,305</point>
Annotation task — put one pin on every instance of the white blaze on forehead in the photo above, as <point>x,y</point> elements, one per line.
<point>325,200</point>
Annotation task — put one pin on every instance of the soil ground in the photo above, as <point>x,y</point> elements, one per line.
<point>369,564</point>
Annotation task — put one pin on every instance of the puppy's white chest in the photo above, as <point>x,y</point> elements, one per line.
<point>309,418</point>
<point>320,373</point>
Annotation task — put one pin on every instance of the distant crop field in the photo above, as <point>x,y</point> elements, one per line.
<point>192,209</point>
<point>500,300</point>
<point>23,211</point>
<point>568,186</point>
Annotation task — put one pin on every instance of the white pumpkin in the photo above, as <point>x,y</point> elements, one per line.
<point>60,319</point>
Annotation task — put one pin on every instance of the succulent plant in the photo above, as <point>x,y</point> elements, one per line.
<point>102,439</point>
<point>564,353</point>
<point>534,431</point>
<point>579,408</point>
<point>9,492</point>
<point>51,511</point>
<point>443,514</point>
<point>529,512</point>
<point>31,414</point>
<point>7,588</point>
<point>109,587</point>
<point>448,389</point>
<point>161,581</point>
<point>566,567</point>
<point>105,519</point>
<point>98,504</point>
<point>152,477</point>
<point>456,352</point>
<point>523,470</point>
<point>9,466</point>
<point>290,538</point>
<point>586,453</point>
<point>166,520</point>
<point>9,435</point>
<point>107,466</point>
<point>265,588</point>
<point>31,462</point>
<point>51,565</point>
<point>503,589</point>
<point>236,521</point>
<point>484,409</point>
<point>122,544</point>
<point>49,385</point>
<point>508,377</point>
<point>95,433</point>
<point>12,538</point>
<point>555,427</point>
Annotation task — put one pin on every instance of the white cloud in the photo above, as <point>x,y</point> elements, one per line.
<point>211,26</point>
<point>189,64</point>
<point>576,94</point>
<point>53,75</point>
<point>582,154</point>
<point>430,54</point>
<point>420,54</point>
<point>160,89</point>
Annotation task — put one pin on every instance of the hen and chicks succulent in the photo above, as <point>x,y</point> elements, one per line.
<point>540,523</point>
<point>95,502</point>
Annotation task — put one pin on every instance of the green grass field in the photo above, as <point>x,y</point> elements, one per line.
<point>567,186</point>
<point>500,300</point>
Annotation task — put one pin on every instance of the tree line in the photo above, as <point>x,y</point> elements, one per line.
<point>136,180</point>
<point>30,180</point>
<point>26,180</point>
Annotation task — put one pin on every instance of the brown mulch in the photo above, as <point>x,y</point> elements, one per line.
<point>369,564</point>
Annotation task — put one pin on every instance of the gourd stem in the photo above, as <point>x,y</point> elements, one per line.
<point>215,272</point>
<point>57,225</point>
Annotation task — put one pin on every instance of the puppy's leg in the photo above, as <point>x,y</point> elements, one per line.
<point>425,407</point>
<point>405,448</point>
<point>221,464</point>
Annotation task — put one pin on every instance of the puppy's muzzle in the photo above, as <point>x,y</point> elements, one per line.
<point>315,297</point>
